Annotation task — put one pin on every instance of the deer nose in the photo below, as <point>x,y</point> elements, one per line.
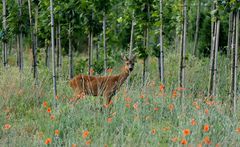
<point>130,68</point>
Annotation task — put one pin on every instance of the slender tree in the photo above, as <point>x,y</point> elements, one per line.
<point>53,55</point>
<point>183,49</point>
<point>59,46</point>
<point>104,42</point>
<point>70,55</point>
<point>215,26</point>
<point>234,47</point>
<point>197,28</point>
<point>230,31</point>
<point>161,54</point>
<point>5,33</point>
<point>20,36</point>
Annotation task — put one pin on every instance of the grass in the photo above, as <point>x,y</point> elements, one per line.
<point>140,116</point>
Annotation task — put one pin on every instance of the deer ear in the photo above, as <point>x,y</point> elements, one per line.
<point>124,57</point>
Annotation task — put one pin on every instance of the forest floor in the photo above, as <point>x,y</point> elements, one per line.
<point>150,115</point>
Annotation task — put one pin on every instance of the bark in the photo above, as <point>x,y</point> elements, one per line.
<point>230,31</point>
<point>197,28</point>
<point>35,44</point>
<point>234,47</point>
<point>104,43</point>
<point>161,53</point>
<point>20,36</point>
<point>59,45</point>
<point>70,55</point>
<point>183,50</point>
<point>5,33</point>
<point>53,55</point>
<point>89,54</point>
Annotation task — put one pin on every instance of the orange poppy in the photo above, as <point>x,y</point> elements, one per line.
<point>175,139</point>
<point>109,70</point>
<point>193,122</point>
<point>85,134</point>
<point>45,104</point>
<point>109,120</point>
<point>238,130</point>
<point>49,110</point>
<point>206,128</point>
<point>161,87</point>
<point>141,96</point>
<point>135,106</point>
<point>174,93</point>
<point>7,126</point>
<point>184,141</point>
<point>128,99</point>
<point>206,140</point>
<point>88,142</point>
<point>156,109</point>
<point>48,141</point>
<point>206,111</point>
<point>52,117</point>
<point>171,107</point>
<point>186,132</point>
<point>199,145</point>
<point>127,105</point>
<point>74,145</point>
<point>57,132</point>
<point>153,131</point>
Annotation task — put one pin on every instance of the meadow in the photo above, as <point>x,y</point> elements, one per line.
<point>149,115</point>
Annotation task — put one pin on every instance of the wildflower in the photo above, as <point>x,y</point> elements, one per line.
<point>206,140</point>
<point>85,134</point>
<point>186,132</point>
<point>91,71</point>
<point>141,96</point>
<point>127,105</point>
<point>156,109</point>
<point>45,104</point>
<point>109,120</point>
<point>184,141</point>
<point>109,70</point>
<point>171,107</point>
<point>135,106</point>
<point>52,117</point>
<point>57,132</point>
<point>7,126</point>
<point>128,99</point>
<point>206,111</point>
<point>206,128</point>
<point>181,89</point>
<point>48,141</point>
<point>193,122</point>
<point>174,139</point>
<point>57,97</point>
<point>161,87</point>
<point>217,145</point>
<point>88,142</point>
<point>49,110</point>
<point>153,131</point>
<point>199,145</point>
<point>174,93</point>
<point>198,107</point>
<point>74,145</point>
<point>238,130</point>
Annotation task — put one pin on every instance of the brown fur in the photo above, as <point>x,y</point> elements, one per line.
<point>100,85</point>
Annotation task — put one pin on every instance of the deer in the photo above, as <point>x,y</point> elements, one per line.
<point>105,86</point>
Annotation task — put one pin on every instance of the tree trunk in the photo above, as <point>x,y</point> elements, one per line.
<point>70,55</point>
<point>35,44</point>
<point>104,43</point>
<point>59,45</point>
<point>234,47</point>
<point>215,58</point>
<point>5,33</point>
<point>20,37</point>
<point>183,50</point>
<point>161,54</point>
<point>53,56</point>
<point>47,52</point>
<point>230,31</point>
<point>89,54</point>
<point>97,48</point>
<point>18,48</point>
<point>197,28</point>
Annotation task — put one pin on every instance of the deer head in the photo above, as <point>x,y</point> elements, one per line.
<point>129,62</point>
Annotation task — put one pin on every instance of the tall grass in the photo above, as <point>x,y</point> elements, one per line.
<point>139,116</point>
